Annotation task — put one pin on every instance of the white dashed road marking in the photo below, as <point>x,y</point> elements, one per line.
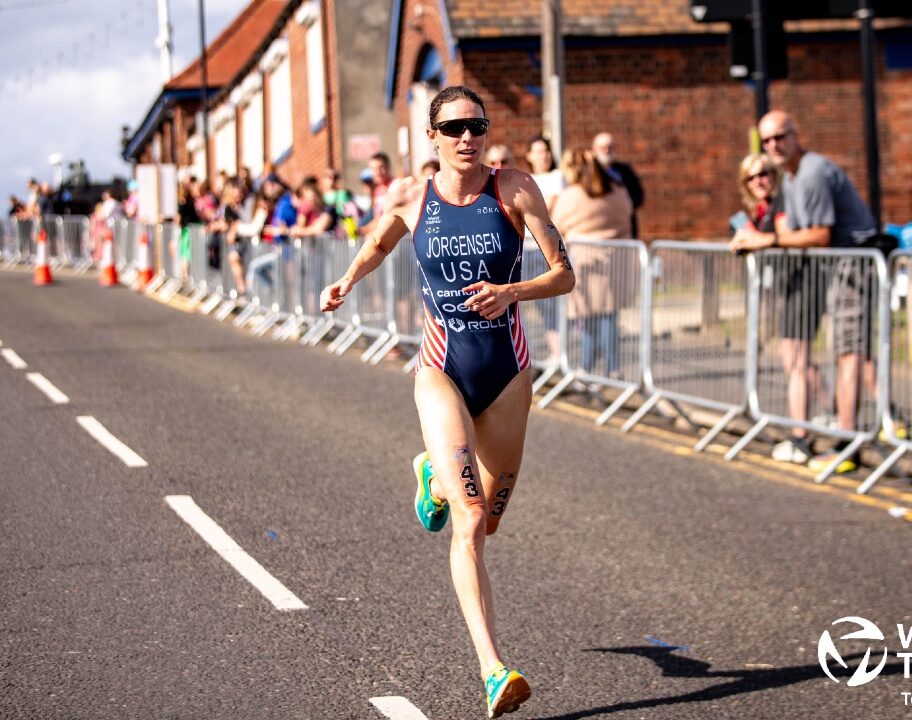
<point>13,359</point>
<point>397,708</point>
<point>101,434</point>
<point>48,388</point>
<point>274,591</point>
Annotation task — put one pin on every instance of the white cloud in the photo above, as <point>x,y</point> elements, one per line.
<point>86,92</point>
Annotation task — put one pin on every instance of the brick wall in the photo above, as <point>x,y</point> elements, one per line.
<point>683,124</point>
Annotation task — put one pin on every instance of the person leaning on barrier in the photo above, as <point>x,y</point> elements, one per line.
<point>594,206</point>
<point>822,209</point>
<point>760,181</point>
<point>230,213</point>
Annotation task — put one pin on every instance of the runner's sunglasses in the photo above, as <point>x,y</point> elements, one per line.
<point>456,128</point>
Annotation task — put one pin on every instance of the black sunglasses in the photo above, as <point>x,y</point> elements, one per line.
<point>762,173</point>
<point>779,137</point>
<point>456,128</point>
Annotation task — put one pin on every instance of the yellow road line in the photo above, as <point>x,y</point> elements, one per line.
<point>752,463</point>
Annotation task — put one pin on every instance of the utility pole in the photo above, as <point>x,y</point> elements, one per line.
<point>552,62</point>
<point>204,85</point>
<point>163,41</point>
<point>868,62</point>
<point>761,71</point>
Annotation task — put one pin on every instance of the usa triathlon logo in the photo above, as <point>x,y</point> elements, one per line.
<point>433,208</point>
<point>826,650</point>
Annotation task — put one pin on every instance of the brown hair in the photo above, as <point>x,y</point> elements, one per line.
<point>581,167</point>
<point>449,94</point>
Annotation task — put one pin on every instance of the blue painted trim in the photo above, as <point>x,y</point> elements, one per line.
<point>447,29</point>
<point>165,100</point>
<point>283,157</point>
<point>318,125</point>
<point>392,52</point>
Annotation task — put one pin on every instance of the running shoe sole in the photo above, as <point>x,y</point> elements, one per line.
<point>428,525</point>
<point>514,692</point>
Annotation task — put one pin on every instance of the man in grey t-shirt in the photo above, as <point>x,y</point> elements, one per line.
<point>822,209</point>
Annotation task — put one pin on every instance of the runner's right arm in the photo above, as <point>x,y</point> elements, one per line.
<point>388,230</point>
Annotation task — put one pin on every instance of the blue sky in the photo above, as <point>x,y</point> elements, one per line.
<point>72,72</point>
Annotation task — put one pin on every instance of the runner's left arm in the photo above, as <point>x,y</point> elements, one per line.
<point>519,191</point>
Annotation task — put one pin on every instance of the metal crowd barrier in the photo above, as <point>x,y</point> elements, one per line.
<point>897,381</point>
<point>694,331</point>
<point>819,313</point>
<point>21,243</point>
<point>600,323</point>
<point>687,323</point>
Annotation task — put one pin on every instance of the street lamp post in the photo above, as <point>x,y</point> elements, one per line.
<point>204,89</point>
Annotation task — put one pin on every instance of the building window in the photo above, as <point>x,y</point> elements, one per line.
<point>275,64</point>
<point>224,128</point>
<point>252,129</point>
<point>309,16</point>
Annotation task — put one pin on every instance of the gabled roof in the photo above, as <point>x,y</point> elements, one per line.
<point>230,51</point>
<point>227,57</point>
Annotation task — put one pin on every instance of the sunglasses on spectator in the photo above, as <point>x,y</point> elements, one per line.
<point>778,137</point>
<point>456,128</point>
<point>762,173</point>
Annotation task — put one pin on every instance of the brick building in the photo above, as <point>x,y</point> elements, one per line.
<point>279,91</point>
<point>660,83</point>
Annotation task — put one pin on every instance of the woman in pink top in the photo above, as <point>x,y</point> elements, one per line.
<point>593,206</point>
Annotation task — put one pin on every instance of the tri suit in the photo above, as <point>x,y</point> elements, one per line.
<point>457,245</point>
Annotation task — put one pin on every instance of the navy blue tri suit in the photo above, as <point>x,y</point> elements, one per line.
<point>457,245</point>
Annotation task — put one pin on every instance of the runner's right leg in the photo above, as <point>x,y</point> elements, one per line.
<point>449,438</point>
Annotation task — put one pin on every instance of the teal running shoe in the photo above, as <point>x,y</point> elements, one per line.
<point>432,513</point>
<point>505,691</point>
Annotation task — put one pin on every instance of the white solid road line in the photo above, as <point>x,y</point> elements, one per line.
<point>101,434</point>
<point>233,554</point>
<point>13,359</point>
<point>47,387</point>
<point>397,708</point>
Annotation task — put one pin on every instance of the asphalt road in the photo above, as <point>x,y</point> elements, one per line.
<point>112,606</point>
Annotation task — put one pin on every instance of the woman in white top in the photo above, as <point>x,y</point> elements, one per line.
<point>547,176</point>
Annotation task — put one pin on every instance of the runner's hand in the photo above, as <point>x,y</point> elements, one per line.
<point>489,300</point>
<point>331,297</point>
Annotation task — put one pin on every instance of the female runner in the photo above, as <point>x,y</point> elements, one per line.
<point>473,383</point>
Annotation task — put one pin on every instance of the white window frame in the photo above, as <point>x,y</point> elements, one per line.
<point>276,65</point>
<point>309,16</point>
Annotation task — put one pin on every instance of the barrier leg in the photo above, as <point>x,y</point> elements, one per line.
<point>245,314</point>
<point>542,379</point>
<point>318,332</point>
<point>616,405</point>
<point>881,470</point>
<point>750,435</point>
<point>341,338</point>
<point>383,351</point>
<point>638,415</point>
<point>350,340</point>
<point>376,345</point>
<point>410,365</point>
<point>556,390</point>
<point>716,429</point>
<point>849,450</point>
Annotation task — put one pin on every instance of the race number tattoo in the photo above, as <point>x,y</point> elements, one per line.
<point>502,495</point>
<point>468,474</point>
<point>562,250</point>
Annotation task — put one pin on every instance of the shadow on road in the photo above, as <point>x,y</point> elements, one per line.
<point>742,681</point>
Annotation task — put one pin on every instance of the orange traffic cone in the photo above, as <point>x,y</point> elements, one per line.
<point>42,268</point>
<point>108,277</point>
<point>144,260</point>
